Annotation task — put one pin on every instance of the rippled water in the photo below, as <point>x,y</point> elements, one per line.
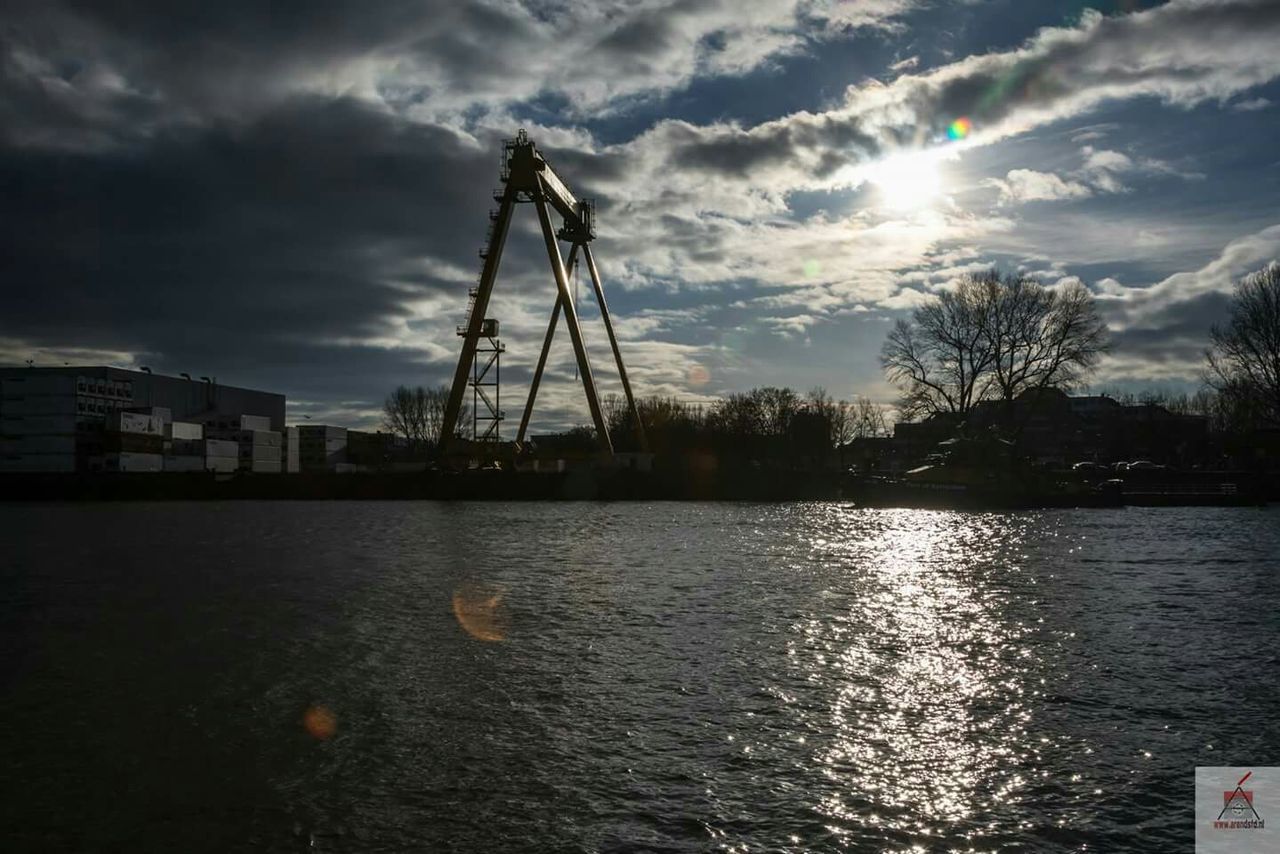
<point>615,677</point>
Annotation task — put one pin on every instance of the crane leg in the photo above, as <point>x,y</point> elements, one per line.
<point>488,275</point>
<point>571,315</point>
<point>613,342</point>
<point>542,359</point>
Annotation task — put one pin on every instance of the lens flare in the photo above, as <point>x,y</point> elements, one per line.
<point>959,129</point>
<point>478,610</point>
<point>699,376</point>
<point>320,722</point>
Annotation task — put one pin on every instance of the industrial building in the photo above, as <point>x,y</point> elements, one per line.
<point>84,419</point>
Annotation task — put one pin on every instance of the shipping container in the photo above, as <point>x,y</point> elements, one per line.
<point>133,462</point>
<point>182,430</point>
<point>292,459</point>
<point>120,421</point>
<point>221,464</point>
<point>260,452</point>
<point>132,443</point>
<point>221,448</point>
<point>184,462</point>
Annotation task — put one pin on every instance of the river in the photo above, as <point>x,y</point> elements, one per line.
<point>382,676</point>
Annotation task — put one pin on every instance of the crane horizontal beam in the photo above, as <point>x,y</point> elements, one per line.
<point>524,168</point>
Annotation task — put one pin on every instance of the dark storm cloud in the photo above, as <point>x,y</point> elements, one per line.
<point>153,62</point>
<point>1178,330</point>
<point>309,222</point>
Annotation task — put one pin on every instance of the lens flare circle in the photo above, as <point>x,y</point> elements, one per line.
<point>479,612</point>
<point>319,722</point>
<point>959,129</point>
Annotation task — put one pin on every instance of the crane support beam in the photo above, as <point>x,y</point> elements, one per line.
<point>542,358</point>
<point>488,274</point>
<point>571,317</point>
<point>613,342</point>
<point>565,203</point>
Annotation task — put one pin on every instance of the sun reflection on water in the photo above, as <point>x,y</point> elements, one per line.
<point>926,722</point>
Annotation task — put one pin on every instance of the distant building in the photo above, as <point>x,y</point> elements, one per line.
<point>1055,428</point>
<point>72,419</point>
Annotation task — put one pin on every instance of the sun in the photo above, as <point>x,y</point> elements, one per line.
<point>907,181</point>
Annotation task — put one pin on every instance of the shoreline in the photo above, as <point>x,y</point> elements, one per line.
<point>760,485</point>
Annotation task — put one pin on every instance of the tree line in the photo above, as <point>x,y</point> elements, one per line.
<point>764,423</point>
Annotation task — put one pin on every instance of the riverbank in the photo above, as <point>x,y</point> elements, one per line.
<point>474,485</point>
<point>746,484</point>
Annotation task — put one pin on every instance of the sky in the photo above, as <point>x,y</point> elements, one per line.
<point>292,196</point>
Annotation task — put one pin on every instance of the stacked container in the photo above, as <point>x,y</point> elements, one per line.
<point>259,451</point>
<point>133,441</point>
<point>221,455</point>
<point>184,447</point>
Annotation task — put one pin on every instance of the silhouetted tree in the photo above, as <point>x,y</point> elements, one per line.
<point>1244,359</point>
<point>1040,338</point>
<point>992,338</point>
<point>417,413</point>
<point>836,413</point>
<point>867,420</point>
<point>939,359</point>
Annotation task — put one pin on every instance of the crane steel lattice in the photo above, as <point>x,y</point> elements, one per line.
<point>528,177</point>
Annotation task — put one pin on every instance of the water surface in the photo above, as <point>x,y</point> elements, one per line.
<point>610,677</point>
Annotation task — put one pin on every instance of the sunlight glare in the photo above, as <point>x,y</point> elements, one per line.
<point>907,181</point>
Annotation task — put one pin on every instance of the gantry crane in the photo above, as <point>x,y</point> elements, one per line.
<point>528,177</point>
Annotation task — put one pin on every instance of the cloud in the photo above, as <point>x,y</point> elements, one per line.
<point>1183,53</point>
<point>84,76</point>
<point>1098,174</point>
<point>1251,105</point>
<point>1160,331</point>
<point>1140,305</point>
<point>1028,185</point>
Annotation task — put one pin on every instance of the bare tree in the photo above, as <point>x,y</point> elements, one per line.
<point>836,413</point>
<point>1041,338</point>
<point>939,360</point>
<point>404,412</point>
<point>992,338</point>
<point>867,420</point>
<point>418,413</point>
<point>1244,359</point>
